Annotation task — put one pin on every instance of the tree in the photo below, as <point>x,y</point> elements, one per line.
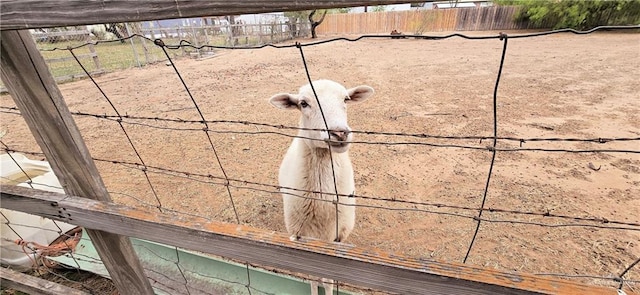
<point>576,14</point>
<point>315,24</point>
<point>235,30</point>
<point>117,29</point>
<point>297,17</point>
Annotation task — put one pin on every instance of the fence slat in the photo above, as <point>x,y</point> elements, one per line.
<point>33,285</point>
<point>42,106</point>
<point>357,265</point>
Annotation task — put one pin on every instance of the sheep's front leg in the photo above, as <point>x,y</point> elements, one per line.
<point>314,287</point>
<point>328,286</point>
<point>326,283</point>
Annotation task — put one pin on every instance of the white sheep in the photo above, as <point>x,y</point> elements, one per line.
<point>307,168</point>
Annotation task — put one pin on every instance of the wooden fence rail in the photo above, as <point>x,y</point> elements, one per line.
<point>351,264</point>
<point>32,285</point>
<point>43,108</point>
<point>29,14</point>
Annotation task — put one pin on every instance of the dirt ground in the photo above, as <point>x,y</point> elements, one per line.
<point>564,86</point>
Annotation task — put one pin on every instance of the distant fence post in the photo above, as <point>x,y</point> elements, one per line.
<point>180,38</point>
<point>133,47</point>
<point>94,54</point>
<point>143,42</point>
<point>205,31</point>
<point>195,38</point>
<point>42,106</point>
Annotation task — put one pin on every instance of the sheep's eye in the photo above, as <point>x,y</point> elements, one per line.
<point>304,104</point>
<point>346,98</point>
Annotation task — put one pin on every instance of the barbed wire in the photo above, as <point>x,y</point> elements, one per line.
<point>115,118</point>
<point>135,150</point>
<point>521,141</point>
<point>599,140</point>
<point>205,129</point>
<point>275,189</point>
<point>213,148</point>
<point>456,215</point>
<point>228,182</point>
<point>113,107</point>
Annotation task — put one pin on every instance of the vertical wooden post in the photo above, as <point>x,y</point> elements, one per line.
<point>36,94</point>
<point>94,56</point>
<point>206,32</point>
<point>180,38</point>
<point>153,37</point>
<point>137,29</point>
<point>195,38</point>
<point>133,46</point>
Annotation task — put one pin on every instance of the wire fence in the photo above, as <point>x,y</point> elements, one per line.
<point>124,51</point>
<point>181,279</point>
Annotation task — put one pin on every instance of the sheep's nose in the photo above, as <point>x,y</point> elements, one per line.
<point>340,135</point>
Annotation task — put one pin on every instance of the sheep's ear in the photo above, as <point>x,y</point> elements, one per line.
<point>360,93</point>
<point>284,101</point>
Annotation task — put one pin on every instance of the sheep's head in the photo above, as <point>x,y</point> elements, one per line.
<point>333,99</point>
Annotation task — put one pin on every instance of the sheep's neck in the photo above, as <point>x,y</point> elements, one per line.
<point>320,173</point>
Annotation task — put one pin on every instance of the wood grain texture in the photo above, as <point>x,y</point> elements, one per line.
<point>32,285</point>
<point>29,14</point>
<point>41,104</point>
<point>356,265</point>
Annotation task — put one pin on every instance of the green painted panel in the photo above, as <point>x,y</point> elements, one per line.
<point>172,271</point>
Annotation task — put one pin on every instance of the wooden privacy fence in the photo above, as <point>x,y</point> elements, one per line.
<point>419,21</point>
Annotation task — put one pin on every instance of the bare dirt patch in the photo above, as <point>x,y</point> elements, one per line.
<point>553,86</point>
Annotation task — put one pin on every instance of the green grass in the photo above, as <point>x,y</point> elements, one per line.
<point>114,55</point>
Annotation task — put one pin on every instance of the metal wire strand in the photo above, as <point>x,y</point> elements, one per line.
<point>213,148</point>
<point>575,221</point>
<point>119,120</point>
<point>421,136</point>
<point>274,189</point>
<point>495,142</point>
<point>185,43</point>
<point>624,272</point>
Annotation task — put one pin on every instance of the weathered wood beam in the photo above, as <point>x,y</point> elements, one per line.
<point>34,90</point>
<point>346,263</point>
<point>30,14</point>
<point>32,285</point>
